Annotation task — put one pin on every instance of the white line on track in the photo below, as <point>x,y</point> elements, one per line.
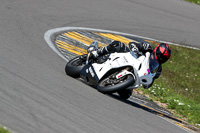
<point>189,131</point>
<point>48,38</point>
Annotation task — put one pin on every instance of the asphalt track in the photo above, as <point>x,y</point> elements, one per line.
<point>35,94</point>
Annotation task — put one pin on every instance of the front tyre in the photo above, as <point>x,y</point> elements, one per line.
<point>75,65</point>
<point>112,85</point>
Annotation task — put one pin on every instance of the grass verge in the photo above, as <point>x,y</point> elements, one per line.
<point>179,84</point>
<point>3,130</point>
<point>194,1</point>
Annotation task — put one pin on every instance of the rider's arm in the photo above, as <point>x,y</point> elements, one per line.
<point>115,46</point>
<point>141,46</point>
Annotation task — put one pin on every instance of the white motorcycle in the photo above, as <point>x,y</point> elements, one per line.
<point>116,72</point>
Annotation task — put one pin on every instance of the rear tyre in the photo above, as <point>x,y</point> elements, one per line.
<point>75,65</point>
<point>112,85</point>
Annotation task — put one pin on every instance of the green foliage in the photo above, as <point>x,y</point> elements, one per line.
<point>194,1</point>
<point>181,104</point>
<point>172,104</point>
<point>3,130</point>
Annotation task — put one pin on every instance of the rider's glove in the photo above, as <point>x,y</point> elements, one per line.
<point>134,48</point>
<point>145,45</point>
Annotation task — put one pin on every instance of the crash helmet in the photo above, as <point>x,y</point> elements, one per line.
<point>162,52</point>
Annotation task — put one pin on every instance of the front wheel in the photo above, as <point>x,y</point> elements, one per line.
<point>112,85</point>
<point>75,65</point>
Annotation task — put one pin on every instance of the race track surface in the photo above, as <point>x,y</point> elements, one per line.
<point>35,94</point>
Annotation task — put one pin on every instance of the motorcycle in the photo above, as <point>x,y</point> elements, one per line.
<point>115,72</point>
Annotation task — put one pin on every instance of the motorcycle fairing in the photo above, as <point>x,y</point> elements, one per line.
<point>88,73</point>
<point>115,60</point>
<point>144,74</point>
<point>94,72</point>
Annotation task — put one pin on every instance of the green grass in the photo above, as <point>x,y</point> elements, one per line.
<point>194,1</point>
<point>179,84</point>
<point>3,130</point>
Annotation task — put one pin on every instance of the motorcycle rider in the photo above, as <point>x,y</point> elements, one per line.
<point>162,53</point>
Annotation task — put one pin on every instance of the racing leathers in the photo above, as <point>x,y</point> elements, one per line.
<point>137,48</point>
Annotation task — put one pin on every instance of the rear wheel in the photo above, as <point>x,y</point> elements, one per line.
<point>74,66</point>
<point>111,84</point>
